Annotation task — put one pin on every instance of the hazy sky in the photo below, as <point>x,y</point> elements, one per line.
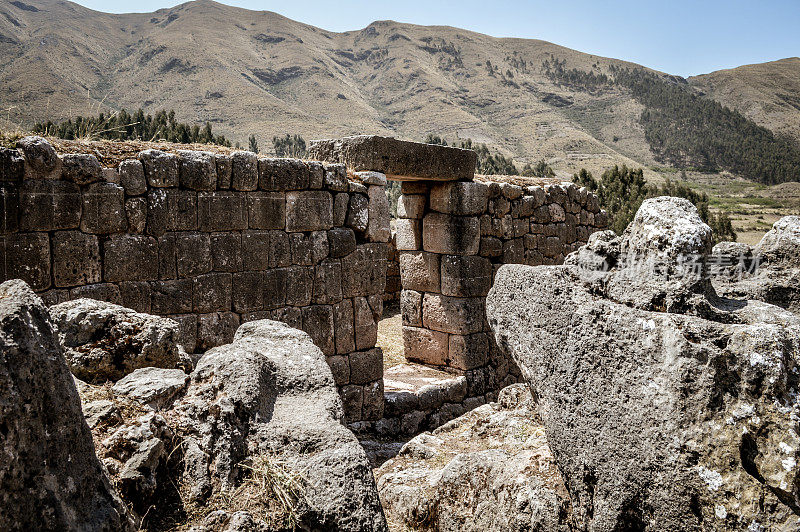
<point>676,36</point>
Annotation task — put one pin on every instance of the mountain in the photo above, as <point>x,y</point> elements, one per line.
<point>767,93</point>
<point>258,72</point>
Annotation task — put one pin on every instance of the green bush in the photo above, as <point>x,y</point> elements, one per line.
<point>621,192</point>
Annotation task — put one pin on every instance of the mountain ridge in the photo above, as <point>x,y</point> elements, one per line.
<point>262,73</point>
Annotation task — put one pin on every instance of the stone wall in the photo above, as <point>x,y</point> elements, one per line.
<point>212,241</point>
<point>452,237</point>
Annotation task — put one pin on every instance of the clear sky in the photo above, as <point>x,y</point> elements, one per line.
<point>676,36</point>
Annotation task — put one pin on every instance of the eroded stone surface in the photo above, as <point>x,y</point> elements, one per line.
<point>397,159</point>
<point>659,420</point>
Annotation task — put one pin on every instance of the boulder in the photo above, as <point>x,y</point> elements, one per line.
<point>105,342</point>
<point>154,387</point>
<point>490,469</point>
<point>769,272</point>
<point>268,402</point>
<point>666,406</point>
<point>50,477</point>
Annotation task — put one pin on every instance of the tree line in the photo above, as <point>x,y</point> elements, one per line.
<point>689,131</point>
<point>621,192</point>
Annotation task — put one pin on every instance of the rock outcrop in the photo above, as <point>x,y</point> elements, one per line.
<point>490,469</point>
<point>105,342</point>
<point>770,271</point>
<point>50,476</point>
<point>666,407</point>
<point>268,402</point>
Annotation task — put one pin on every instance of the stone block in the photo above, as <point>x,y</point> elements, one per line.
<point>26,256</point>
<point>103,209</point>
<point>41,159</point>
<point>328,281</point>
<point>301,246</point>
<point>352,400</point>
<point>215,329</point>
<point>291,316</point>
<point>276,286</point>
<point>341,241</point>
<point>266,210</point>
<point>511,191</point>
<point>335,177</point>
<point>12,166</point>
<point>284,174</point>
<point>309,211</point>
<point>171,297</point>
<point>9,208</point>
<point>81,168</point>
<point>167,256</point>
<point>378,229</point>
<point>411,206</point>
<point>408,234</point>
<point>358,213</point>
<point>468,351</point>
<point>341,201</point>
<point>451,235</point>
<point>411,307</point>
<point>280,254</point>
<point>552,247</point>
<point>130,258</point>
<point>372,407</point>
<point>316,174</point>
<point>454,315</point>
<point>371,178</point>
<point>366,366</point>
<point>542,215</point>
<point>365,325</point>
<point>248,291</point>
<point>221,211</point>
<point>420,271</point>
<point>224,169</point>
<point>160,168</point>
<point>514,251</point>
<point>46,205</point>
<point>397,159</point>
<point>211,292</point>
<point>375,263</point>
<point>318,323</point>
<point>557,213</point>
<point>101,291</point>
<point>491,247</point>
<point>340,367</point>
<point>459,198</point>
<point>76,259</point>
<point>344,320</point>
<point>299,285</point>
<point>466,276</point>
<point>198,170</point>
<point>178,212</point>
<point>136,214</point>
<point>193,254</point>
<point>255,250</point>
<point>425,346</point>
<point>131,177</point>
<point>244,171</point>
<point>136,295</point>
<point>187,331</point>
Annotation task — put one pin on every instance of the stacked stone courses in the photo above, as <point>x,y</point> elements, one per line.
<point>451,239</point>
<point>212,241</point>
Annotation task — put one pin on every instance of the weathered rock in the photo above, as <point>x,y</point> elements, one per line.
<point>270,395</point>
<point>490,469</point>
<point>768,272</point>
<point>398,159</point>
<point>50,477</point>
<point>677,420</point>
<point>154,387</point>
<point>39,155</point>
<point>81,168</point>
<point>104,341</point>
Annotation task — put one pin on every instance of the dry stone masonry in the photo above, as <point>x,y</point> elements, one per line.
<point>211,241</point>
<point>216,240</point>
<point>453,232</point>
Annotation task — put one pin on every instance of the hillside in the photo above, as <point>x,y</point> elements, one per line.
<point>258,72</point>
<point>767,93</point>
